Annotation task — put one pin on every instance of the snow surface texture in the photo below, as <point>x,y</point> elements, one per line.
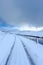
<point>18,50</point>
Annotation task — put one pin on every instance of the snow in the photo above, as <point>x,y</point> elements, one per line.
<point>35,50</point>
<point>5,46</point>
<point>34,33</point>
<point>18,56</point>
<point>18,50</point>
<point>2,35</point>
<point>31,47</point>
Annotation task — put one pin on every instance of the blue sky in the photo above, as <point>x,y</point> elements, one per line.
<point>21,12</point>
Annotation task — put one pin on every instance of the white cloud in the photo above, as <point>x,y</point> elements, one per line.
<point>30,28</point>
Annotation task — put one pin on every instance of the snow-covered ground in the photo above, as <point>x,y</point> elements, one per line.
<point>34,33</point>
<point>18,50</point>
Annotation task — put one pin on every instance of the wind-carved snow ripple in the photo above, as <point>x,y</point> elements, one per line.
<point>28,55</point>
<point>10,52</point>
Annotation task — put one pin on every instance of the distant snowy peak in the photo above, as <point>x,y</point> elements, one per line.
<point>7,27</point>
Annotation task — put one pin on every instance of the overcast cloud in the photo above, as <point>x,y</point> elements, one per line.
<point>21,12</point>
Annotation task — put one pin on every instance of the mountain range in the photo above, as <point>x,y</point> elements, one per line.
<point>3,23</point>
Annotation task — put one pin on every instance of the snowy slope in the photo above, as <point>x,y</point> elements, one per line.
<point>34,33</point>
<point>34,49</point>
<point>5,47</point>
<point>17,50</point>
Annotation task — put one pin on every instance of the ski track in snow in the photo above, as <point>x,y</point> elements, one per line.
<point>28,55</point>
<point>17,50</point>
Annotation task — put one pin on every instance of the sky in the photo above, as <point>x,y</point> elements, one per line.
<point>22,12</point>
